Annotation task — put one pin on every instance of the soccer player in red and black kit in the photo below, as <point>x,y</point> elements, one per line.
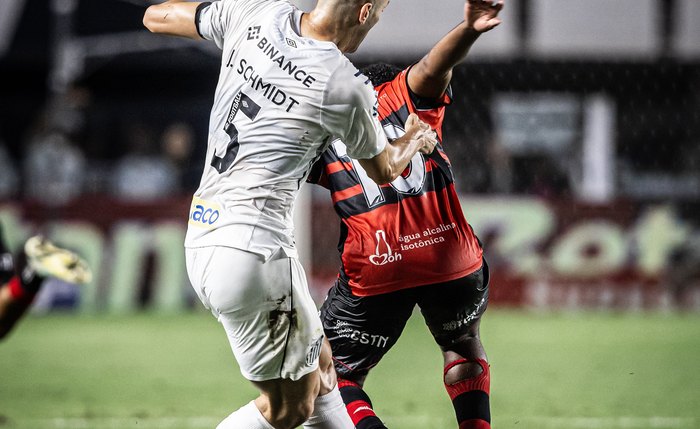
<point>408,243</point>
<point>21,278</point>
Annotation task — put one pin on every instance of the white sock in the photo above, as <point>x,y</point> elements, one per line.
<point>329,413</point>
<point>246,417</point>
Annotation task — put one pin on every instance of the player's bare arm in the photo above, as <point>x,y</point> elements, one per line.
<point>393,160</point>
<point>431,75</point>
<point>173,18</point>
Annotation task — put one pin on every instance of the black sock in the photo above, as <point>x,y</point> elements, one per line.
<point>359,406</point>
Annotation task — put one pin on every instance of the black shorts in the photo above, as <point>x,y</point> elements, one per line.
<point>361,329</point>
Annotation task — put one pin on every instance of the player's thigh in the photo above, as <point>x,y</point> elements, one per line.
<point>229,280</point>
<point>361,330</point>
<point>265,307</point>
<point>453,309</point>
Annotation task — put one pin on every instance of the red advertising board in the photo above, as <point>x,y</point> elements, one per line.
<point>542,254</point>
<point>564,254</point>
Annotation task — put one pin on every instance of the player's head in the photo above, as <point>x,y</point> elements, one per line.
<point>351,19</point>
<point>380,73</point>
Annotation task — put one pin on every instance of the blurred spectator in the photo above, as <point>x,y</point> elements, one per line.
<point>177,143</point>
<point>8,174</point>
<point>684,272</point>
<point>144,174</point>
<point>54,169</point>
<point>66,112</point>
<point>689,157</point>
<point>541,176</point>
<point>683,268</point>
<point>54,165</point>
<point>501,165</point>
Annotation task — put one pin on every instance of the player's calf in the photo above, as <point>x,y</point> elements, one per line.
<point>329,409</point>
<point>359,406</point>
<point>286,403</point>
<point>468,382</point>
<point>289,415</point>
<point>264,414</point>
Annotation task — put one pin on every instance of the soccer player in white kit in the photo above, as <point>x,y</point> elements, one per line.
<point>284,91</point>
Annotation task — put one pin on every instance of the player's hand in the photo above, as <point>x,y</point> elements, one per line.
<point>429,142</point>
<point>482,15</point>
<point>421,132</point>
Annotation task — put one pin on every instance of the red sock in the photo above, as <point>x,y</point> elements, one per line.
<point>470,398</point>
<point>359,406</point>
<point>17,291</point>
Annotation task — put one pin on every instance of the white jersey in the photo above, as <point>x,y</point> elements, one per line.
<point>279,100</point>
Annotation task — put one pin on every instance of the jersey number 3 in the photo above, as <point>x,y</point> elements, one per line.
<point>249,108</point>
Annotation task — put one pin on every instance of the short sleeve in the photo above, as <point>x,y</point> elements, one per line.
<point>349,112</point>
<point>423,103</point>
<point>210,20</point>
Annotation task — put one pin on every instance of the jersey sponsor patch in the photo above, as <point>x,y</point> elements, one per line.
<point>204,214</point>
<point>343,329</point>
<point>383,254</point>
<point>254,32</point>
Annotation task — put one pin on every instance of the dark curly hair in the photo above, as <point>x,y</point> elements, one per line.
<point>380,73</point>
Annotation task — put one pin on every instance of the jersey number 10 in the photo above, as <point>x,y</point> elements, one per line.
<point>409,183</point>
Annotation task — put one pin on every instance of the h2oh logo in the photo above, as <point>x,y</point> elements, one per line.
<point>203,215</point>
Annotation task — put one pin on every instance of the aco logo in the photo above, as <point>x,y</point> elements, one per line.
<point>203,215</point>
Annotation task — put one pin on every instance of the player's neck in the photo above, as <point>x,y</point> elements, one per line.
<point>320,25</point>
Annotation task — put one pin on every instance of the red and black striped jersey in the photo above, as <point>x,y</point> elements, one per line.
<point>408,233</point>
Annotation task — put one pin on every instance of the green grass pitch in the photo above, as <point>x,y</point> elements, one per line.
<point>559,371</point>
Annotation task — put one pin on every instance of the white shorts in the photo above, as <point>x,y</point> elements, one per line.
<point>269,316</point>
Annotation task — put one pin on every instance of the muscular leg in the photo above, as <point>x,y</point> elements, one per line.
<point>329,409</point>
<point>282,404</point>
<point>313,400</point>
<point>273,327</point>
<point>467,380</point>
<point>453,313</point>
<point>361,330</point>
<point>286,403</point>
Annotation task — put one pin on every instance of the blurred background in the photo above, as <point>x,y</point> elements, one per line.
<point>574,135</point>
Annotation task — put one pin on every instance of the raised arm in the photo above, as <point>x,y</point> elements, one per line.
<point>173,18</point>
<point>393,160</point>
<point>431,75</point>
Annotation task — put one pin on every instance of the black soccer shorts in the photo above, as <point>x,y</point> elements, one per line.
<point>361,329</point>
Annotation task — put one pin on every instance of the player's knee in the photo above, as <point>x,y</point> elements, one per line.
<point>463,370</point>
